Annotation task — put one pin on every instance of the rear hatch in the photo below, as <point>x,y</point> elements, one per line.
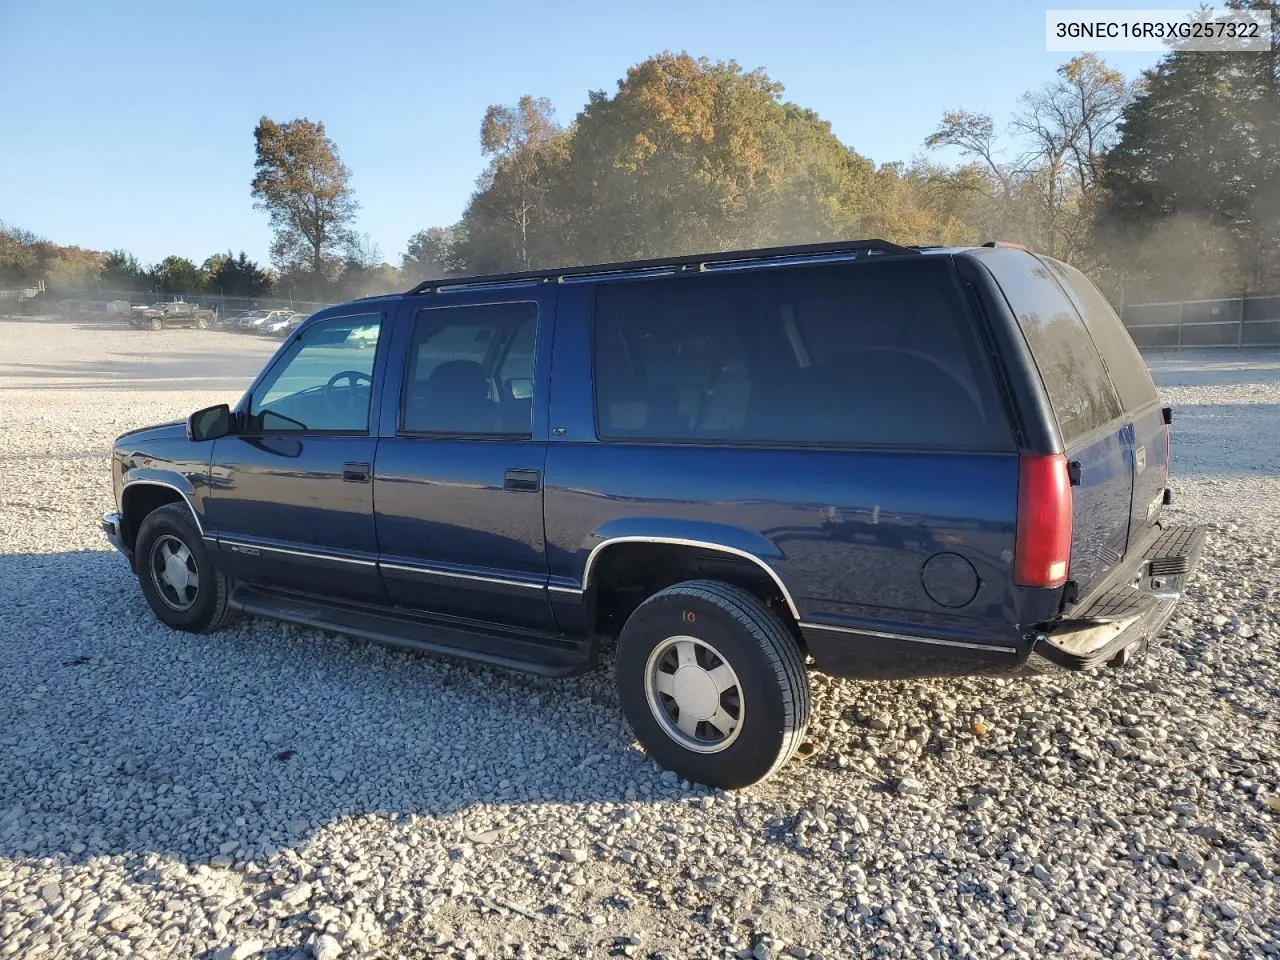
<point>1108,436</point>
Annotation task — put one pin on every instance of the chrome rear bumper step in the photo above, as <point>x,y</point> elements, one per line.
<point>1129,609</point>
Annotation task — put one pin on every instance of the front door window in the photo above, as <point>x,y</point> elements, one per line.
<point>325,383</point>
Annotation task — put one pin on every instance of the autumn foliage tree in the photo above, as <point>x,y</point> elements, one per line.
<point>520,143</point>
<point>687,155</point>
<point>306,189</point>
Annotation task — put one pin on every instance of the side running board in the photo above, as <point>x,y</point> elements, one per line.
<point>544,654</point>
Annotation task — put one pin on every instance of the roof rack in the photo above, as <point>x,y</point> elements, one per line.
<point>696,262</point>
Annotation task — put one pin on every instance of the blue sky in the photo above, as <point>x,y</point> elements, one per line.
<point>130,124</point>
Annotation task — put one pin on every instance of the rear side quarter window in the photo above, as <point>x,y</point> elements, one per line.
<point>1119,353</point>
<point>1075,378</point>
<point>874,354</point>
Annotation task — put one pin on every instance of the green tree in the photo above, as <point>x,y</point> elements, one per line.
<point>508,222</point>
<point>306,189</point>
<point>238,276</point>
<point>365,272</point>
<point>213,263</point>
<point>18,260</point>
<point>431,253</point>
<point>177,275</point>
<point>121,271</point>
<point>1189,204</point>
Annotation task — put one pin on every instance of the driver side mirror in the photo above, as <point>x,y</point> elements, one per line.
<point>209,423</point>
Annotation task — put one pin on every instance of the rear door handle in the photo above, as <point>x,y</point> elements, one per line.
<point>522,481</point>
<point>355,472</point>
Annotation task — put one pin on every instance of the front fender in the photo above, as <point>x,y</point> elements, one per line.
<point>139,477</point>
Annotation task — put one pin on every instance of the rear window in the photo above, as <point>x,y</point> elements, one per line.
<point>1119,354</point>
<point>853,354</point>
<point>1074,376</point>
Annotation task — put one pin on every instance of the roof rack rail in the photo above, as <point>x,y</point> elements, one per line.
<point>696,262</point>
<point>1005,245</point>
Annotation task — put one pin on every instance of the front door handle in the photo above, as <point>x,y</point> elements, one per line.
<point>522,481</point>
<point>355,472</point>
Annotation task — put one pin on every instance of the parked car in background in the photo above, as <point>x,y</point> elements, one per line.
<point>250,319</point>
<point>896,461</point>
<point>283,326</point>
<point>256,320</point>
<point>176,313</point>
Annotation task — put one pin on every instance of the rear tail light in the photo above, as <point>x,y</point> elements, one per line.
<point>1042,547</point>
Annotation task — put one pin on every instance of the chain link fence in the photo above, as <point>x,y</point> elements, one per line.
<point>1227,322</point>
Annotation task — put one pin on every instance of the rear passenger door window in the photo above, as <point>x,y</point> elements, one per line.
<point>1074,375</point>
<point>881,354</point>
<point>470,371</point>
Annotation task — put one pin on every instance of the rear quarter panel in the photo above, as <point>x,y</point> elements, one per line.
<point>847,531</point>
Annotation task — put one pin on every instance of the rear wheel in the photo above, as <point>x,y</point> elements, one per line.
<point>183,585</point>
<point>202,323</point>
<point>712,683</point>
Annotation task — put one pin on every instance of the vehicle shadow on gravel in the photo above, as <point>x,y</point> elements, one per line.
<point>120,736</point>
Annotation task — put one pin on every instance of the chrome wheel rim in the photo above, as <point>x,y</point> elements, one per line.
<point>174,572</point>
<point>694,694</point>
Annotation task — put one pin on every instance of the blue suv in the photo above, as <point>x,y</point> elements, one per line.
<point>861,458</point>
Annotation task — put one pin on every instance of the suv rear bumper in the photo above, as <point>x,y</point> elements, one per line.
<point>1129,608</point>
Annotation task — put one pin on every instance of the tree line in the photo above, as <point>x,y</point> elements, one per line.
<point>26,259</point>
<point>1164,187</point>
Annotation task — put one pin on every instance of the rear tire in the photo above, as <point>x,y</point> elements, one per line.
<point>723,727</point>
<point>202,323</point>
<point>178,576</point>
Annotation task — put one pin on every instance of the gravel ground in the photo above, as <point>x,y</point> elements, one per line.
<point>278,792</point>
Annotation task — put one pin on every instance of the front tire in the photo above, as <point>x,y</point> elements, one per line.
<point>183,585</point>
<point>156,324</point>
<point>713,684</point>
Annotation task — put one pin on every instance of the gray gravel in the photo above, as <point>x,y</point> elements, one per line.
<point>276,792</point>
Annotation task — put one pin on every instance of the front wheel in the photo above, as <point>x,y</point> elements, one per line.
<point>183,585</point>
<point>712,683</point>
<point>156,324</point>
